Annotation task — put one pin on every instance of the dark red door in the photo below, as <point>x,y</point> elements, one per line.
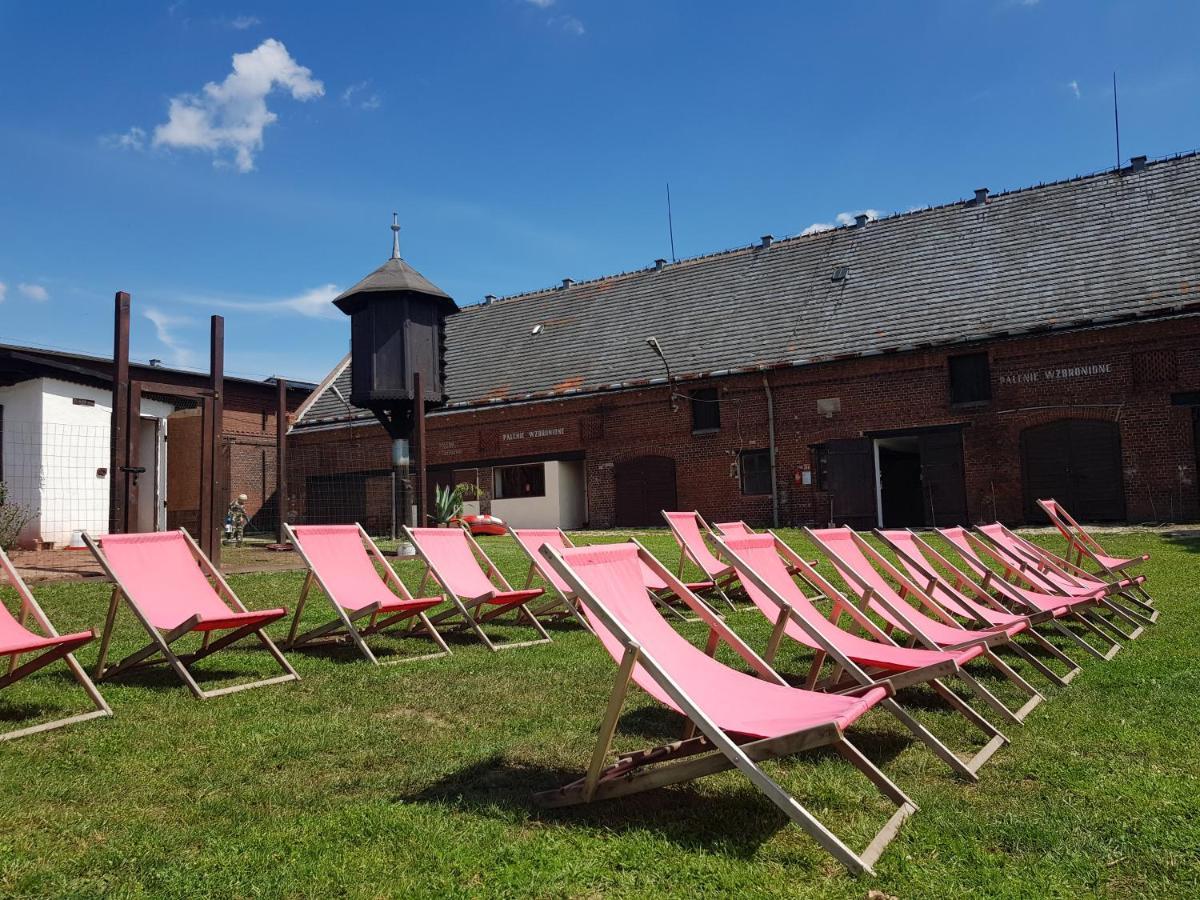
<point>850,480</point>
<point>1078,463</point>
<point>645,485</point>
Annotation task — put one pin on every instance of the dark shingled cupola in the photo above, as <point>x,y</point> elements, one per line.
<point>397,329</point>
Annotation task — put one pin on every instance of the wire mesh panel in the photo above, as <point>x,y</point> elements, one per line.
<point>337,478</point>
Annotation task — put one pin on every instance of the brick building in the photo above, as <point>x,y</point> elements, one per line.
<point>944,365</point>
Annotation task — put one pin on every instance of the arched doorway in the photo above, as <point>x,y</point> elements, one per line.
<point>645,485</point>
<point>1078,463</point>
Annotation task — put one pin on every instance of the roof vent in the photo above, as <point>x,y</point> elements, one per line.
<point>841,273</point>
<point>1137,163</point>
<point>659,265</point>
<point>767,239</point>
<point>860,220</point>
<point>489,299</point>
<point>156,363</point>
<point>567,282</point>
<point>981,196</point>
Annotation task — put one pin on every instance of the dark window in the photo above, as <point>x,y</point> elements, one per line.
<point>756,471</point>
<point>820,458</point>
<point>520,481</point>
<point>970,378</point>
<point>706,410</point>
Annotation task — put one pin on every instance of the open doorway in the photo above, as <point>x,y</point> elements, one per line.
<point>152,456</point>
<point>898,462</point>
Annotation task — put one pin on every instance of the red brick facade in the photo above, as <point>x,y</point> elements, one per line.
<point>1124,374</point>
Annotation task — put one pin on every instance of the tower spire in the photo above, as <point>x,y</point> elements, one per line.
<point>395,236</point>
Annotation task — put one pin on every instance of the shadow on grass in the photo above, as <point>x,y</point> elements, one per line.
<point>738,823</point>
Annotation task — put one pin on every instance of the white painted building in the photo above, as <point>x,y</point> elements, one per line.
<point>54,457</point>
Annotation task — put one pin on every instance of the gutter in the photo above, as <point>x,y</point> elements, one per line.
<point>771,448</point>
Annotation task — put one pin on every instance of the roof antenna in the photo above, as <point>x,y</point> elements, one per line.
<point>395,236</point>
<point>1116,121</point>
<point>671,223</point>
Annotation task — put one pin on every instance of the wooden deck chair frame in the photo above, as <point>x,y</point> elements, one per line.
<point>160,643</point>
<point>343,626</point>
<point>910,619</point>
<point>846,669</point>
<point>43,657</point>
<point>565,605</point>
<point>1014,570</point>
<point>1081,545</point>
<point>469,607</point>
<point>955,581</point>
<point>721,580</point>
<point>1133,611</point>
<point>712,750</point>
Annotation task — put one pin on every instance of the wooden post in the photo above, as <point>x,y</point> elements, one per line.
<point>418,451</point>
<point>281,429</point>
<point>119,447</point>
<point>217,492</point>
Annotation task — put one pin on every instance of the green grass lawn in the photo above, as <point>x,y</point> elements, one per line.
<point>415,779</point>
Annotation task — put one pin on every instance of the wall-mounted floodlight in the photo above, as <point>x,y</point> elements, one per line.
<point>653,344</point>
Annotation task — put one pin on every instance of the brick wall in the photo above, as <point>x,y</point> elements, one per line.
<point>1124,374</point>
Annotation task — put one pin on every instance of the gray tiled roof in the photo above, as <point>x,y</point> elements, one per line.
<point>1069,254</point>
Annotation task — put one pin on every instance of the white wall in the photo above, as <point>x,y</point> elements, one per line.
<point>562,506</point>
<point>23,446</point>
<point>63,453</point>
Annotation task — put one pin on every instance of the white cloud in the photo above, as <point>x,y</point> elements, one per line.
<point>241,23</point>
<point>1074,86</point>
<point>133,139</point>
<point>164,329</point>
<point>541,4</point>
<point>316,303</point>
<point>355,95</point>
<point>3,291</point>
<point>569,24</point>
<point>842,218</point>
<point>34,292</point>
<point>233,114</point>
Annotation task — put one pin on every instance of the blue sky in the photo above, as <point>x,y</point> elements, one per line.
<point>521,142</point>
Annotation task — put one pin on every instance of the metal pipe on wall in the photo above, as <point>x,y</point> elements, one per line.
<point>771,449</point>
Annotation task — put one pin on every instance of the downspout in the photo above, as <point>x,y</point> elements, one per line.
<point>771,447</point>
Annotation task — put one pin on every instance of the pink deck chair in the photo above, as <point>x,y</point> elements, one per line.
<point>164,579</point>
<point>531,540</point>
<point>764,564</point>
<point>741,529</point>
<point>1082,546</point>
<point>454,559</point>
<point>689,529</point>
<point>740,719</point>
<point>1020,593</point>
<point>341,559</point>
<point>884,590</point>
<point>16,640</point>
<point>1064,578</point>
<point>961,596</point>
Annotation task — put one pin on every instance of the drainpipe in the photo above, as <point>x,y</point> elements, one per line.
<point>771,445</point>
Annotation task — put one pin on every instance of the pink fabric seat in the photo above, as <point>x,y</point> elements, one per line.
<point>849,561</point>
<point>736,702</point>
<point>16,638</point>
<point>952,599</point>
<point>449,552</point>
<point>1080,586</point>
<point>533,539</point>
<point>1056,604</point>
<point>732,529</point>
<point>758,552</point>
<point>163,580</point>
<point>651,580</point>
<point>346,570</point>
<point>687,532</point>
<point>1077,537</point>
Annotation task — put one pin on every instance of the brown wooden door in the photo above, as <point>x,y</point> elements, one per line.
<point>943,486</point>
<point>1078,463</point>
<point>645,485</point>
<point>850,480</point>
